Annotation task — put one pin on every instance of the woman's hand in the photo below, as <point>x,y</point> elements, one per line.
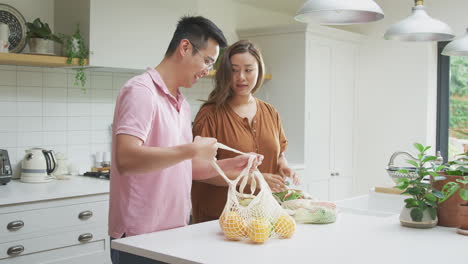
<point>285,171</point>
<point>237,164</point>
<point>276,182</point>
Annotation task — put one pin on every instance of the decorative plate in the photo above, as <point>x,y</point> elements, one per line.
<point>17,24</point>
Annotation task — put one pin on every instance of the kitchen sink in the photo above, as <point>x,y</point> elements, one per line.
<point>377,204</point>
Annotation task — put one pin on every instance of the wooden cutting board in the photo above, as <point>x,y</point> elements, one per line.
<point>391,190</point>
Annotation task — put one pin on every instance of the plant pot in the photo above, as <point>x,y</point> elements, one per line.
<point>463,219</point>
<point>426,222</point>
<point>38,45</point>
<point>447,211</point>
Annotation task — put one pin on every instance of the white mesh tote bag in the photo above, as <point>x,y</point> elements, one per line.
<point>253,217</point>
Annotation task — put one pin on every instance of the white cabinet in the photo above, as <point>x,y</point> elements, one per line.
<point>122,34</point>
<point>68,230</point>
<point>314,88</point>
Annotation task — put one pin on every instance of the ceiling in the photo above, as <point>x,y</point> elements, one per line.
<point>289,7</point>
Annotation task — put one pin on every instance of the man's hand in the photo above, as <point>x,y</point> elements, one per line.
<point>205,148</point>
<point>285,171</point>
<point>276,182</point>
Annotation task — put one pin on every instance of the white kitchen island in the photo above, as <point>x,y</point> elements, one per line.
<point>356,237</point>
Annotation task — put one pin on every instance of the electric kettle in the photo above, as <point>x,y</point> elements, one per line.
<point>37,166</point>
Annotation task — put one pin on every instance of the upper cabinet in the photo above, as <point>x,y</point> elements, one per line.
<point>120,33</point>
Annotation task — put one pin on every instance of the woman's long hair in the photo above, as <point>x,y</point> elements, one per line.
<point>223,79</point>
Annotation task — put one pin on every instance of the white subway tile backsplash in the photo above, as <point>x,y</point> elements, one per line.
<point>7,93</point>
<point>79,123</point>
<point>55,124</point>
<point>78,96</point>
<point>30,139</point>
<point>79,109</point>
<point>100,136</point>
<point>78,137</point>
<point>8,108</point>
<point>101,122</point>
<point>8,124</point>
<point>102,81</point>
<point>55,94</point>
<point>27,78</point>
<point>8,140</point>
<point>7,77</point>
<point>29,94</point>
<point>102,96</point>
<point>53,138</point>
<point>102,109</point>
<point>55,109</point>
<point>28,124</point>
<point>54,79</point>
<point>40,107</point>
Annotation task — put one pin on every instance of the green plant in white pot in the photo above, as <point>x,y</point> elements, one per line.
<point>39,35</point>
<point>420,210</point>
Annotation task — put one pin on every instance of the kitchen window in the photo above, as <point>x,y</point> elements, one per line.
<point>452,104</point>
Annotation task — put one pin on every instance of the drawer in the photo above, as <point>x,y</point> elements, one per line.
<point>81,239</point>
<point>30,221</point>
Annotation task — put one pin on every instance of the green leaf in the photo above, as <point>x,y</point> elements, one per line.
<point>416,214</point>
<point>419,147</point>
<point>426,148</point>
<point>412,162</point>
<point>403,171</point>
<point>438,194</point>
<point>430,197</point>
<point>428,158</point>
<point>414,191</point>
<point>411,202</point>
<point>464,194</point>
<point>439,168</point>
<point>401,185</point>
<point>432,212</point>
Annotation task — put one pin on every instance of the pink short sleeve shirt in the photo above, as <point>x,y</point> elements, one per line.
<point>159,200</point>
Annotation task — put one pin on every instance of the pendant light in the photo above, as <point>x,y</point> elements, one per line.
<point>419,27</point>
<point>339,12</point>
<point>458,47</point>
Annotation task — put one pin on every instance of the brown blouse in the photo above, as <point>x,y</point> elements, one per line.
<point>265,136</point>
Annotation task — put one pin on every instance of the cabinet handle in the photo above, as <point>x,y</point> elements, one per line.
<point>86,237</point>
<point>333,174</point>
<point>337,174</point>
<point>85,215</point>
<point>15,225</point>
<point>15,250</point>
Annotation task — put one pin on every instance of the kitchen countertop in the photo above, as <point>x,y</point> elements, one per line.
<point>354,238</point>
<point>16,192</point>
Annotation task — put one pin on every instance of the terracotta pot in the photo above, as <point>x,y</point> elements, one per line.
<point>447,212</point>
<point>463,219</point>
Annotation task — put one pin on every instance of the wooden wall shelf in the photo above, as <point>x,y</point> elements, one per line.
<point>36,60</point>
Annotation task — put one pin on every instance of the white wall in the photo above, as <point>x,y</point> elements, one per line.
<point>397,89</point>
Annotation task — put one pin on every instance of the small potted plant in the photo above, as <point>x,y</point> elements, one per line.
<point>74,48</point>
<point>420,211</point>
<point>448,209</point>
<point>39,35</point>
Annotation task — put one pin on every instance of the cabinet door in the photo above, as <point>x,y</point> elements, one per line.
<point>340,188</point>
<point>342,109</point>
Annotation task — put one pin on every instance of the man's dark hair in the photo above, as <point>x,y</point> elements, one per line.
<point>197,30</point>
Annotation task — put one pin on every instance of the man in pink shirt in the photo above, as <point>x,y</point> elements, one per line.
<point>154,158</point>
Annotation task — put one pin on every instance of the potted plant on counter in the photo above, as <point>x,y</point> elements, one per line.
<point>39,35</point>
<point>420,209</point>
<point>449,189</point>
<point>448,209</point>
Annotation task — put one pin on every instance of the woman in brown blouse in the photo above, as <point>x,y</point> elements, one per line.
<point>239,120</point>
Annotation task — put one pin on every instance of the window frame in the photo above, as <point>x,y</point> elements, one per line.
<point>443,101</point>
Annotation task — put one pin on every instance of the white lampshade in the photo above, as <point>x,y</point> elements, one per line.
<point>419,27</point>
<point>458,47</point>
<point>339,12</point>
